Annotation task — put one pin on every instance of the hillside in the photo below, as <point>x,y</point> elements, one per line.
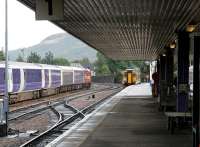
<point>61,45</point>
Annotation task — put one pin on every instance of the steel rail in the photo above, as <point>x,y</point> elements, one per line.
<point>74,94</point>
<point>54,104</point>
<point>24,114</point>
<point>59,120</point>
<point>78,114</point>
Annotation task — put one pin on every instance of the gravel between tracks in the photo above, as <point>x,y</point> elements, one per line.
<point>88,100</point>
<point>44,120</point>
<point>29,103</point>
<point>40,122</point>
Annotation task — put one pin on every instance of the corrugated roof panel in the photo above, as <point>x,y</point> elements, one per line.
<point>126,29</point>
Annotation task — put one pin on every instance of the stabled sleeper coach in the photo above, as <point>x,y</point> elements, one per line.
<point>29,80</point>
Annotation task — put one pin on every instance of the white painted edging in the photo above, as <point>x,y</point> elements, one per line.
<point>59,139</point>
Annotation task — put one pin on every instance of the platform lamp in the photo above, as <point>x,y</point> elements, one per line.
<point>4,102</point>
<point>191,27</point>
<point>172,45</point>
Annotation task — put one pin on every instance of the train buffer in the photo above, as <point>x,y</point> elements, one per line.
<point>172,116</point>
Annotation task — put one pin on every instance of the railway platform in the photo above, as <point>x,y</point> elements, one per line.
<point>129,119</point>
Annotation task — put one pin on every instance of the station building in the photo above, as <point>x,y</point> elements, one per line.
<point>165,31</point>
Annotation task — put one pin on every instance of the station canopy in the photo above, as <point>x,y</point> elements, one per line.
<point>127,29</point>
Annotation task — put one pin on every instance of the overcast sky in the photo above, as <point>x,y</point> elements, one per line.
<point>24,30</point>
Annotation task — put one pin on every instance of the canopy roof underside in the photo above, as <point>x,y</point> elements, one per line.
<point>126,29</point>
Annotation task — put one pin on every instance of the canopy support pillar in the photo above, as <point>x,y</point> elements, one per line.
<point>195,115</point>
<point>162,74</point>
<point>183,71</point>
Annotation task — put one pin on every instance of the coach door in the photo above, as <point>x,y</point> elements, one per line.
<point>129,77</point>
<point>16,79</point>
<point>46,73</point>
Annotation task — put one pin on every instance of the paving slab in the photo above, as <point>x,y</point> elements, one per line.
<point>126,122</point>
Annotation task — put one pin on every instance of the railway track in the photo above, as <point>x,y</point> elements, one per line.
<point>43,101</point>
<point>40,102</point>
<point>70,115</point>
<point>39,108</point>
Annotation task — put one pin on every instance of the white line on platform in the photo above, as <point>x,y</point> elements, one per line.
<point>96,112</point>
<point>142,90</point>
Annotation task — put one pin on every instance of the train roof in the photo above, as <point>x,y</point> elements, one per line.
<point>66,68</point>
<point>78,68</point>
<point>46,66</point>
<point>73,68</point>
<point>133,69</point>
<point>12,64</point>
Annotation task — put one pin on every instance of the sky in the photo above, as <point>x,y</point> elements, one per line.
<point>23,29</point>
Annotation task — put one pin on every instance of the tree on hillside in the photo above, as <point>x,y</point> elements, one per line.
<point>61,61</point>
<point>33,58</point>
<point>85,62</point>
<point>2,57</point>
<point>48,59</point>
<point>19,58</point>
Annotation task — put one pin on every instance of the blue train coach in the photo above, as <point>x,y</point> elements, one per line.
<point>40,79</point>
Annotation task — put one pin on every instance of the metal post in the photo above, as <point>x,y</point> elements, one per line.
<point>195,116</point>
<point>169,73</point>
<point>183,71</point>
<point>6,96</point>
<point>150,71</point>
<point>162,80</point>
<point>158,71</point>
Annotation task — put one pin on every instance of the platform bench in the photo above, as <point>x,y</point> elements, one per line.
<point>172,118</point>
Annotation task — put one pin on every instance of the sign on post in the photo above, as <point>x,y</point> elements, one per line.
<point>49,10</point>
<point>2,117</point>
